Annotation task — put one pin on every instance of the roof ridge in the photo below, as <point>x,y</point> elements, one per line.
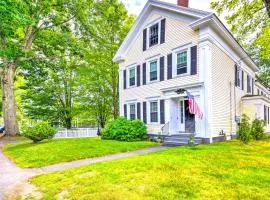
<point>182,7</point>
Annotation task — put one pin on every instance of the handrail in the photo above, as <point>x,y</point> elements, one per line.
<point>166,129</point>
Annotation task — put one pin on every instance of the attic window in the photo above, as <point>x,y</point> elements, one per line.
<point>153,36</point>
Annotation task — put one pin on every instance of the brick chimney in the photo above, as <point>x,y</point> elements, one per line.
<point>183,3</point>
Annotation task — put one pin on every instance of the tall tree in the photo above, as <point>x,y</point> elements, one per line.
<point>21,21</point>
<point>111,24</point>
<point>249,20</point>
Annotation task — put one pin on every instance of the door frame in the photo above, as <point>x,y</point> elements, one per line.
<point>181,125</point>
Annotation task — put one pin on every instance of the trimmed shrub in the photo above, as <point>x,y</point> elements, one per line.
<point>257,129</point>
<point>123,129</point>
<point>40,131</point>
<point>244,132</point>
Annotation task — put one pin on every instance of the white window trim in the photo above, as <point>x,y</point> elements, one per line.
<point>128,109</point>
<point>128,83</point>
<point>174,63</point>
<point>148,70</point>
<point>158,21</point>
<point>149,109</point>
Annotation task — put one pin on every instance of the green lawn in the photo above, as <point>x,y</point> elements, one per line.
<point>227,170</point>
<point>28,154</point>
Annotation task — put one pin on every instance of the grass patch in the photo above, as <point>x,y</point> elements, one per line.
<point>228,170</point>
<point>28,154</point>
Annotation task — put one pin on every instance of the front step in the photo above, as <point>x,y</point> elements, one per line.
<point>179,140</point>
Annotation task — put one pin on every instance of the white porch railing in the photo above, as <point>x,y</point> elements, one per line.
<point>166,129</point>
<point>76,133</point>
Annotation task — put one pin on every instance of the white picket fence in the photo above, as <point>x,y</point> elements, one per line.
<point>76,133</point>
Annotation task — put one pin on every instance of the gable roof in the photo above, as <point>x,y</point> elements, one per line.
<point>213,21</point>
<point>150,5</point>
<point>202,18</point>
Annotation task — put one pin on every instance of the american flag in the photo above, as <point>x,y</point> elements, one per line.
<point>193,106</point>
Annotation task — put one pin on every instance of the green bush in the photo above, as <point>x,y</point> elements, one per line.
<point>123,129</point>
<point>40,131</point>
<point>257,129</point>
<point>244,132</point>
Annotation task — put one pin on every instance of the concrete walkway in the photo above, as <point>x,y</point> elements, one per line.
<point>14,180</point>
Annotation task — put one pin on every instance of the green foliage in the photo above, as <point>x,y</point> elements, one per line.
<point>257,129</point>
<point>40,131</point>
<point>123,129</point>
<point>244,132</point>
<point>250,22</point>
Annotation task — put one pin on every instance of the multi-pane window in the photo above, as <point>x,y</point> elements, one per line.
<point>153,35</point>
<point>154,111</point>
<point>132,76</point>
<point>132,112</point>
<point>182,63</point>
<point>153,71</point>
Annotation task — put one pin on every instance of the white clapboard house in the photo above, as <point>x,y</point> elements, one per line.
<point>173,49</point>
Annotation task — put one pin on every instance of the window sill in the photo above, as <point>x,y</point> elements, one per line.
<point>181,75</point>
<point>133,86</point>
<point>150,82</point>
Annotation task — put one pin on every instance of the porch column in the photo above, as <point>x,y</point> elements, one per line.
<point>205,63</point>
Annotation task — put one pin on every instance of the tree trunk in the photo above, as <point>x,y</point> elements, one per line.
<point>68,122</point>
<point>9,105</point>
<point>267,5</point>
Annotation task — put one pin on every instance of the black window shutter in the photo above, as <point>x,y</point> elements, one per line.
<point>243,80</point>
<point>252,85</point>
<point>125,78</point>
<point>268,115</point>
<point>193,61</point>
<point>169,66</point>
<point>125,110</point>
<point>138,110</point>
<point>248,84</point>
<point>144,113</point>
<point>144,73</point>
<point>144,39</point>
<point>138,75</point>
<point>235,75</point>
<point>162,31</point>
<point>161,70</point>
<point>162,112</point>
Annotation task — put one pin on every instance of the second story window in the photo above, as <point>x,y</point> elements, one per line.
<point>153,71</point>
<point>132,76</point>
<point>182,63</point>
<point>239,77</point>
<point>153,34</point>
<point>154,111</point>
<point>132,112</point>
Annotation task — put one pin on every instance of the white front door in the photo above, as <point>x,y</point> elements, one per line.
<point>181,115</point>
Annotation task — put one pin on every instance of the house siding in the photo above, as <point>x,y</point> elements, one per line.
<point>177,33</point>
<point>227,99</point>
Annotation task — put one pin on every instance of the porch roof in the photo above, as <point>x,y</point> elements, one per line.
<point>186,86</point>
<point>255,99</point>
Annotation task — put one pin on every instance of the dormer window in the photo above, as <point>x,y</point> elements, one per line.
<point>153,34</point>
<point>181,62</point>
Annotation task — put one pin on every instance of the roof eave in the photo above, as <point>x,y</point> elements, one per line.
<point>212,20</point>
